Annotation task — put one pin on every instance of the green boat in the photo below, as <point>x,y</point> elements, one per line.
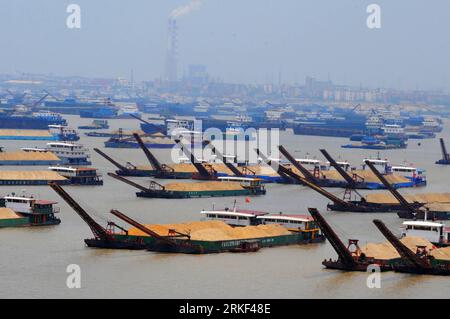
<point>27,211</point>
<point>9,218</point>
<point>223,186</point>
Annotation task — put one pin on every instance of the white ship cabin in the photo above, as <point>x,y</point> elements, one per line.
<point>171,125</point>
<point>72,150</point>
<point>374,122</point>
<point>344,165</point>
<point>313,163</point>
<point>393,129</point>
<point>61,129</point>
<point>28,204</point>
<point>436,233</point>
<point>376,162</point>
<point>430,122</point>
<point>291,222</point>
<point>409,171</point>
<point>72,171</point>
<point>233,217</point>
<point>187,160</point>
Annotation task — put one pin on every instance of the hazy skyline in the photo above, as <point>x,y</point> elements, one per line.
<point>239,41</point>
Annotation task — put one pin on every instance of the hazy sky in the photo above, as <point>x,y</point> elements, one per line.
<point>238,40</point>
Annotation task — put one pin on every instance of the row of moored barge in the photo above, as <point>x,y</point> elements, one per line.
<point>407,255</point>
<point>195,169</point>
<point>58,174</point>
<point>214,235</point>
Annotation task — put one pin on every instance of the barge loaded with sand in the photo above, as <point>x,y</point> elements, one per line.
<point>408,255</point>
<point>29,158</point>
<point>29,135</point>
<point>352,201</point>
<point>194,237</point>
<point>70,153</point>
<point>23,210</point>
<point>79,175</point>
<point>31,178</point>
<point>229,186</point>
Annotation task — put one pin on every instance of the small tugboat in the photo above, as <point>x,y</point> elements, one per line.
<point>63,133</point>
<point>28,211</point>
<point>79,175</point>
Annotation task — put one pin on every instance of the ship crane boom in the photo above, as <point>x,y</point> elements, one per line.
<point>97,230</point>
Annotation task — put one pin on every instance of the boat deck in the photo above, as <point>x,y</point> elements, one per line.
<point>30,178</point>
<point>28,158</point>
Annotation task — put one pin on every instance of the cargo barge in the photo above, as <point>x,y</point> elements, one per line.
<point>99,112</point>
<point>68,153</point>
<point>35,121</point>
<point>63,133</point>
<point>409,255</point>
<point>339,177</point>
<point>31,178</point>
<point>336,126</point>
<point>241,187</point>
<point>127,169</point>
<point>79,175</point>
<point>195,237</point>
<point>26,135</point>
<point>375,146</point>
<point>437,233</point>
<point>369,203</point>
<point>96,125</point>
<point>156,141</point>
<point>28,158</point>
<point>17,211</point>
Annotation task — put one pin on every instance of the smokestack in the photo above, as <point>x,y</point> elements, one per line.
<point>172,37</point>
<point>172,50</point>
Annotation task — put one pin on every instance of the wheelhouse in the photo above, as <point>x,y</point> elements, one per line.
<point>436,233</point>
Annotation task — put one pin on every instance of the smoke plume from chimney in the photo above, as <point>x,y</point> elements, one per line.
<point>185,9</point>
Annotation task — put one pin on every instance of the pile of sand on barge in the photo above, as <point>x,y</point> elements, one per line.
<point>215,230</point>
<point>24,133</point>
<point>8,213</point>
<point>28,156</point>
<point>368,176</point>
<point>30,176</point>
<point>190,168</point>
<point>385,251</point>
<point>202,186</point>
<point>388,198</point>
